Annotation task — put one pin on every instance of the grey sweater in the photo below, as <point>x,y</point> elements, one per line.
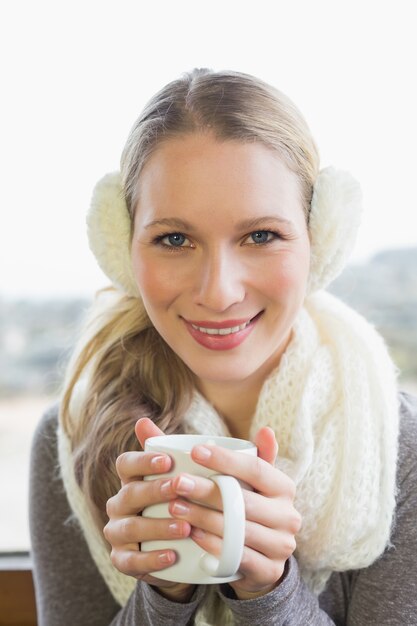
<point>71,592</point>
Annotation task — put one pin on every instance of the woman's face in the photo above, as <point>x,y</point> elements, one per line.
<point>220,253</point>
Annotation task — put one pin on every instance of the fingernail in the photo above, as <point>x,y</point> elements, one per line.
<point>197,533</point>
<point>180,508</point>
<point>202,453</point>
<point>175,528</point>
<point>166,557</point>
<point>166,487</point>
<point>185,485</point>
<point>159,462</point>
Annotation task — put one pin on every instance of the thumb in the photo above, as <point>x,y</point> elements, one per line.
<point>267,444</point>
<point>145,428</point>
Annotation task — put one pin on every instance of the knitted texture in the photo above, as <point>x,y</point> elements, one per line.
<point>332,403</point>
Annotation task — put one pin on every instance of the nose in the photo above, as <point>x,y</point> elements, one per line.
<point>219,281</point>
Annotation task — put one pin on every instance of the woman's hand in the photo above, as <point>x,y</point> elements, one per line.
<point>271,519</point>
<point>127,529</point>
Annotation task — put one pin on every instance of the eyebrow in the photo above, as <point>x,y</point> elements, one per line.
<point>174,222</point>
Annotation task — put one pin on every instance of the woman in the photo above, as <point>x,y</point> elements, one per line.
<point>219,235</point>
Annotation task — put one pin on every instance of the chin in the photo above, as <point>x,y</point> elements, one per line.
<point>232,373</point>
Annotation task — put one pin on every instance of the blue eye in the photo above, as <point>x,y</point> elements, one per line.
<point>261,236</point>
<point>173,241</point>
<point>176,239</point>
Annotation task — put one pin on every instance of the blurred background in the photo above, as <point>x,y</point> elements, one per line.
<point>74,77</point>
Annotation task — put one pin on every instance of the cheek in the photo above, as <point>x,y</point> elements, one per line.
<point>288,274</point>
<point>154,285</point>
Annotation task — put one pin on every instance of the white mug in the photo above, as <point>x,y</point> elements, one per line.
<point>193,564</point>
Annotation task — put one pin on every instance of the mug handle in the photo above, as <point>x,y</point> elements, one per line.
<point>234,529</point>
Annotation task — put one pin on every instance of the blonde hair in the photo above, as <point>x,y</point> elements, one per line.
<point>122,369</point>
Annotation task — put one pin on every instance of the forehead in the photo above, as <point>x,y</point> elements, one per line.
<point>199,172</point>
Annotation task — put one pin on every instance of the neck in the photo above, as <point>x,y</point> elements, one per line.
<point>236,401</point>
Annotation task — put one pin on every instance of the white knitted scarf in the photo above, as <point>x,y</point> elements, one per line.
<point>332,403</point>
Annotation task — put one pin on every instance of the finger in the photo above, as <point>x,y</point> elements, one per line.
<point>271,512</point>
<point>196,515</point>
<point>271,542</point>
<point>258,568</point>
<point>145,428</point>
<point>134,496</point>
<point>136,529</point>
<point>276,513</point>
<point>134,465</point>
<point>267,444</point>
<point>198,489</point>
<point>253,470</point>
<point>139,564</point>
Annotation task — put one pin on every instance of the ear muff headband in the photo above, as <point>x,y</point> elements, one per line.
<point>336,209</point>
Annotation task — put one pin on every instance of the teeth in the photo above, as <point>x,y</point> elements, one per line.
<point>221,331</point>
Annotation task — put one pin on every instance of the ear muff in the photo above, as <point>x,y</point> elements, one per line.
<point>109,232</point>
<point>336,209</point>
<point>335,214</point>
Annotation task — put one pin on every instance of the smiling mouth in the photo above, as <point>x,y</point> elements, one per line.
<point>221,331</point>
<point>225,331</point>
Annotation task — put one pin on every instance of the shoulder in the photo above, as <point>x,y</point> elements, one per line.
<point>44,465</point>
<point>407,444</point>
<point>384,592</point>
<point>408,408</point>
<point>48,421</point>
<point>44,440</point>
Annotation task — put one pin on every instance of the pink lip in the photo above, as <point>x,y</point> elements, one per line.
<point>221,342</point>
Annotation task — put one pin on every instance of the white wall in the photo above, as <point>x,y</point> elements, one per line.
<point>75,75</point>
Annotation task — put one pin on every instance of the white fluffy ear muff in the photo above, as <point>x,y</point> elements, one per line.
<point>109,232</point>
<point>335,214</point>
<point>336,209</point>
